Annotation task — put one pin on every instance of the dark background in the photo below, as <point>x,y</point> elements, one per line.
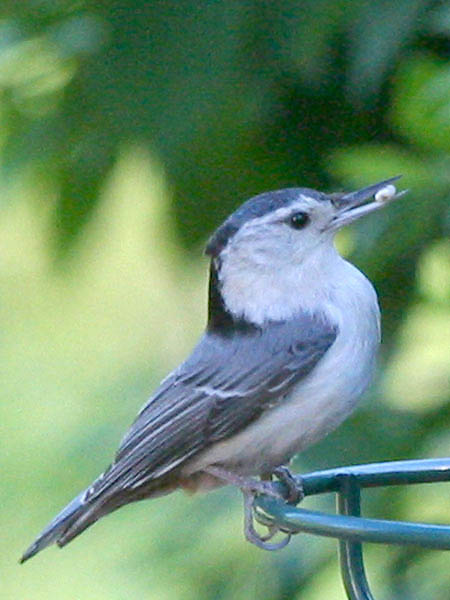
<point>129,130</point>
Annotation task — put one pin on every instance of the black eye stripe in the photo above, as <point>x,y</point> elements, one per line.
<point>299,220</point>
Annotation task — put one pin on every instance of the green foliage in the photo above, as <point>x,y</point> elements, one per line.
<point>128,131</point>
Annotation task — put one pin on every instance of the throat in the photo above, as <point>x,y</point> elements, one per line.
<point>257,294</point>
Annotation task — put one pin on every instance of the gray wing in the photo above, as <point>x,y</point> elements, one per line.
<point>226,383</point>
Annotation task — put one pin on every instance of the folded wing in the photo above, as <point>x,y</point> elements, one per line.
<point>226,383</point>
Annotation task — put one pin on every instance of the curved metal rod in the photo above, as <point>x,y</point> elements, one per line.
<point>401,472</point>
<point>350,553</point>
<point>349,527</point>
<point>270,511</point>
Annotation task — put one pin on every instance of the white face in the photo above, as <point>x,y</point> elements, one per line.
<point>275,260</point>
<point>284,237</point>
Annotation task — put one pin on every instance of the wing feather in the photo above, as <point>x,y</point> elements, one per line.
<point>226,383</point>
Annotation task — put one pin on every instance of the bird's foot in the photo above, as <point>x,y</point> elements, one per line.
<point>250,488</point>
<point>252,536</point>
<point>294,487</point>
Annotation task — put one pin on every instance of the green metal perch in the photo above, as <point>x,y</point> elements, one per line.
<point>348,526</point>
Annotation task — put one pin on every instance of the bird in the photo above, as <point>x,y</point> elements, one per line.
<point>289,347</point>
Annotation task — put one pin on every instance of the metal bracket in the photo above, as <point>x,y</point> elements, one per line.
<point>348,526</point>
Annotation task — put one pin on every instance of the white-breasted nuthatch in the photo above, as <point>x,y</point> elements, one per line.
<point>290,345</point>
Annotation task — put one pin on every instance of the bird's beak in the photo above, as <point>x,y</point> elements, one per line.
<point>354,205</point>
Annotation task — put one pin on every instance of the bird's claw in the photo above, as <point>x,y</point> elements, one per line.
<point>294,487</point>
<point>295,494</point>
<point>251,535</point>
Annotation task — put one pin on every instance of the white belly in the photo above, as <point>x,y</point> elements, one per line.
<point>320,401</point>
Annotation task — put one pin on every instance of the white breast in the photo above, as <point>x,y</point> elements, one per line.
<point>323,399</point>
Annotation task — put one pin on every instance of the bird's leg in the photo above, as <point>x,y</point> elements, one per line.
<point>247,484</point>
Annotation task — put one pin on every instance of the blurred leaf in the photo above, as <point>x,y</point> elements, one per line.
<point>378,36</point>
<point>439,19</point>
<point>422,108</point>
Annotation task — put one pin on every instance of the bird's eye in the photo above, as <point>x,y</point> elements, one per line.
<point>299,220</point>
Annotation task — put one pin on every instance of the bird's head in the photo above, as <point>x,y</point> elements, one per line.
<point>292,221</point>
<point>266,242</point>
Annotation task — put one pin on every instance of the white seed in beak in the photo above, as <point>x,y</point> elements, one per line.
<point>385,193</point>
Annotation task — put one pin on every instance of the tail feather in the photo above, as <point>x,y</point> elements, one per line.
<point>55,530</point>
<point>81,513</point>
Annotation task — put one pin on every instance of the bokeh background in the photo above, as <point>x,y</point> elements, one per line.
<point>128,131</point>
